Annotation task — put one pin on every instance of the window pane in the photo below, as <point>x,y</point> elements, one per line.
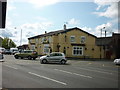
<point>77,50</point>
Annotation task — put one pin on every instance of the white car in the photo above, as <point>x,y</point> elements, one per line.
<point>117,61</point>
<point>1,58</point>
<point>54,57</point>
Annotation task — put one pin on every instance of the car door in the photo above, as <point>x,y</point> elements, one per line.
<point>52,57</point>
<point>21,54</point>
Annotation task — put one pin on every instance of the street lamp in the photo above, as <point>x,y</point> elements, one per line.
<point>102,43</point>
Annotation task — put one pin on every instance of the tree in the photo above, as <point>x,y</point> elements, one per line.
<point>8,43</point>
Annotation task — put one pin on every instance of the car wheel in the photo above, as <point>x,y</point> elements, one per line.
<point>34,58</point>
<point>16,57</point>
<point>63,62</point>
<point>44,61</point>
<point>29,57</point>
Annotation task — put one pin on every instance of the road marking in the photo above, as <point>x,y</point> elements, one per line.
<point>74,73</point>
<point>96,71</point>
<point>47,78</point>
<point>89,63</point>
<point>11,67</point>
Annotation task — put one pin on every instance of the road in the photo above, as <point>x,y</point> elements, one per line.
<point>21,73</point>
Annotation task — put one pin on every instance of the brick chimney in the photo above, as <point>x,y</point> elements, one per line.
<point>45,32</point>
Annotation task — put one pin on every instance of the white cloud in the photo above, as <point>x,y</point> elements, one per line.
<point>91,31</point>
<point>86,29</point>
<point>73,21</point>
<point>30,30</point>
<point>111,11</point>
<point>97,30</point>
<point>107,26</point>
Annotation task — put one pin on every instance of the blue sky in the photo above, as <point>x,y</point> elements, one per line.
<point>35,17</point>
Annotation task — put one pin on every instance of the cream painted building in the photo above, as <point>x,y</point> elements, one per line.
<point>73,42</point>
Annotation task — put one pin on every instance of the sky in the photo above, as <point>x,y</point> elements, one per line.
<point>28,18</point>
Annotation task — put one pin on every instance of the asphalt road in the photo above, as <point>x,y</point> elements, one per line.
<point>21,73</point>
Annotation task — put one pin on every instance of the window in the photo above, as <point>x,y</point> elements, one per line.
<point>56,54</point>
<point>33,47</point>
<point>82,39</point>
<point>44,39</point>
<point>72,39</point>
<point>77,50</point>
<point>46,49</point>
<point>36,40</point>
<point>50,39</point>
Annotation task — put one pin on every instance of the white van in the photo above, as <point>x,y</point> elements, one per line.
<point>2,50</point>
<point>14,50</point>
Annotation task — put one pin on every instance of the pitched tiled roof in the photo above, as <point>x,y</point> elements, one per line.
<point>60,31</point>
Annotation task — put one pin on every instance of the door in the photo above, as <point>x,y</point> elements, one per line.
<point>53,57</point>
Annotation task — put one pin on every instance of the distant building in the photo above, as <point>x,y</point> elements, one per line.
<point>23,47</point>
<point>73,42</point>
<point>110,45</point>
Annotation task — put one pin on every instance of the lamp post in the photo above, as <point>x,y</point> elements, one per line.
<point>20,36</point>
<point>102,42</point>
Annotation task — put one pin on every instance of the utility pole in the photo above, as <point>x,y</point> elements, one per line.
<point>102,43</point>
<point>21,38</point>
<point>105,33</point>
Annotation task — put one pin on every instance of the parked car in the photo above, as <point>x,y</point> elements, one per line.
<point>30,54</point>
<point>14,50</point>
<point>53,57</point>
<point>117,61</point>
<point>1,57</point>
<point>7,51</point>
<point>2,50</point>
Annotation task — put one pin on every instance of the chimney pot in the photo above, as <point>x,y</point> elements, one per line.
<point>64,26</point>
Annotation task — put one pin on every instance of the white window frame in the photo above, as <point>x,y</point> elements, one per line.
<point>46,48</point>
<point>37,40</point>
<point>81,39</point>
<point>77,48</point>
<point>72,41</point>
<point>33,47</point>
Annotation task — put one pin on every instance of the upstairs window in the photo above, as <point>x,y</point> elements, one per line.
<point>82,39</point>
<point>37,40</point>
<point>33,47</point>
<point>72,39</point>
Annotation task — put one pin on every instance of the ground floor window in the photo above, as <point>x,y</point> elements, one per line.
<point>33,47</point>
<point>46,49</point>
<point>77,50</point>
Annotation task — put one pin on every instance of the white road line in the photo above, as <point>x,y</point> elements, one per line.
<point>47,78</point>
<point>11,67</point>
<point>95,70</point>
<point>74,73</point>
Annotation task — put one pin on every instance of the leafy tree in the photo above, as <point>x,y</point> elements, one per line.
<point>8,43</point>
